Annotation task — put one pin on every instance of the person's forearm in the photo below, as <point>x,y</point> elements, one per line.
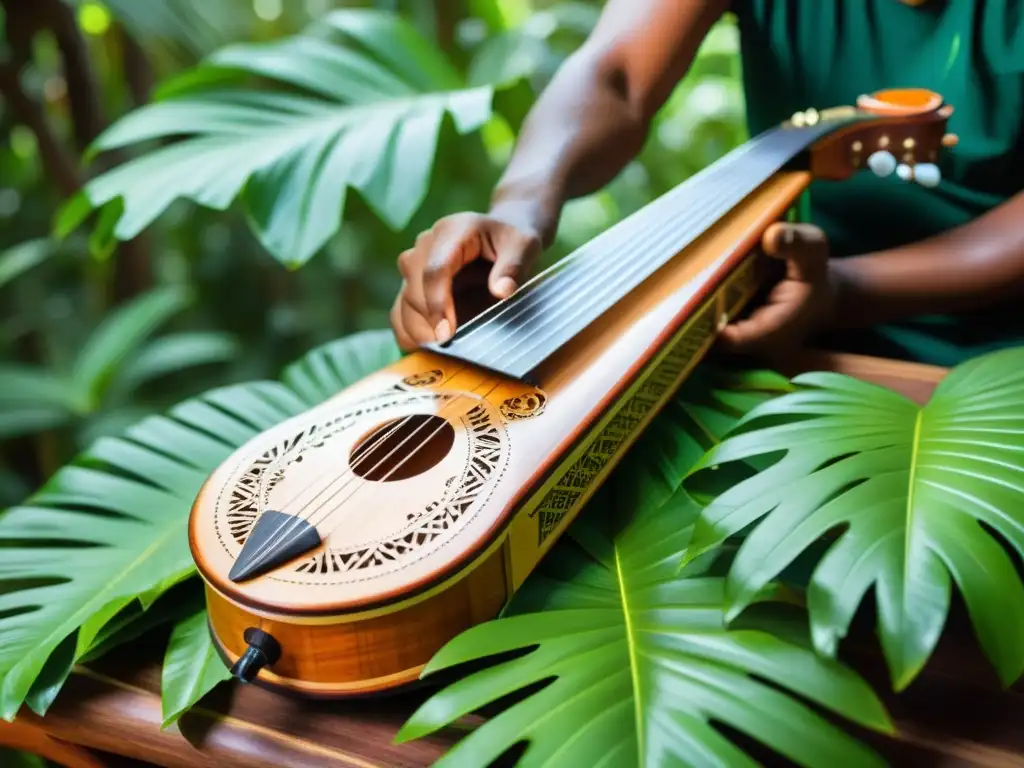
<point>593,118</point>
<point>970,267</point>
<point>579,136</point>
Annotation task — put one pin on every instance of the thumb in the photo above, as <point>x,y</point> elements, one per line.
<point>803,247</point>
<point>513,254</point>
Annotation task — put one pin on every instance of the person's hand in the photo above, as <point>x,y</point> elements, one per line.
<point>471,247</point>
<point>800,305</point>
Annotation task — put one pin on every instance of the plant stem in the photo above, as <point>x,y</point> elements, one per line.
<point>57,161</point>
<point>83,95</point>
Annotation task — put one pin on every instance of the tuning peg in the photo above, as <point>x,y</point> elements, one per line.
<point>950,140</point>
<point>882,163</point>
<point>905,172</point>
<point>927,174</point>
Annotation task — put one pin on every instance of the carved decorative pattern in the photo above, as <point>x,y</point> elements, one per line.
<point>424,378</point>
<point>567,492</point>
<point>243,502</point>
<point>247,497</point>
<point>527,405</point>
<point>243,507</point>
<point>739,286</point>
<point>438,516</point>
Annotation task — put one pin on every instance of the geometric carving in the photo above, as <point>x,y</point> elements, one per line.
<point>246,498</point>
<point>569,488</point>
<point>738,287</point>
<point>423,379</point>
<point>438,516</point>
<point>244,503</point>
<point>525,406</point>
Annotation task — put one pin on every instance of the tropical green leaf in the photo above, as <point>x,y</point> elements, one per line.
<point>33,399</point>
<point>22,385</point>
<point>326,371</point>
<point>11,758</point>
<point>196,25</point>
<point>917,498</point>
<point>120,335</point>
<point>175,352</point>
<point>191,668</point>
<point>112,528</point>
<point>110,421</point>
<point>362,105</point>
<point>133,622</point>
<point>110,531</point>
<point>635,659</point>
<point>19,259</point>
<point>12,486</point>
<point>21,420</point>
<point>526,49</point>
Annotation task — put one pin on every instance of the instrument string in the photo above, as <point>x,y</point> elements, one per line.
<point>531,336</point>
<point>781,149</point>
<point>710,207</point>
<point>380,438</point>
<point>378,486</point>
<point>597,249</point>
<point>596,289</point>
<point>555,281</point>
<point>606,268</point>
<point>285,527</point>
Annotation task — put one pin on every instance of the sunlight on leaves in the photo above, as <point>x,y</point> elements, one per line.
<point>109,531</point>
<point>360,103</point>
<point>94,19</point>
<point>915,499</point>
<point>635,658</point>
<point>191,667</point>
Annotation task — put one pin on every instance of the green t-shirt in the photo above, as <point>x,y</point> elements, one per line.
<point>820,53</point>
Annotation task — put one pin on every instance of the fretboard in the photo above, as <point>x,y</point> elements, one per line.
<point>516,335</point>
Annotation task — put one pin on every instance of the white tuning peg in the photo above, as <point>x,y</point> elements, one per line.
<point>881,163</point>
<point>927,174</point>
<point>905,172</point>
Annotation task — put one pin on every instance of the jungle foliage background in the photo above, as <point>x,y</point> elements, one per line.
<point>91,339</point>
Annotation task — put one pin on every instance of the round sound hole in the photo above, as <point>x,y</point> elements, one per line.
<point>402,448</point>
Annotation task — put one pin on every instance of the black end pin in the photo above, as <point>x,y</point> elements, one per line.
<point>263,651</point>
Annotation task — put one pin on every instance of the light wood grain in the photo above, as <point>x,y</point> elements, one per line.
<point>25,737</point>
<point>364,630</point>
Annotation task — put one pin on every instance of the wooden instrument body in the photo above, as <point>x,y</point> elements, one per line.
<point>343,636</point>
<point>407,564</point>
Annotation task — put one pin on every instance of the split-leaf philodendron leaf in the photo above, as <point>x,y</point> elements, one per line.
<point>107,535</point>
<point>918,498</point>
<point>635,659</point>
<point>359,102</point>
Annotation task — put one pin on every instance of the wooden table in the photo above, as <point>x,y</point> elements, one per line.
<point>108,715</point>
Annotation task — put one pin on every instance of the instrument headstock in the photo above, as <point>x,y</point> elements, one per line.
<point>902,131</point>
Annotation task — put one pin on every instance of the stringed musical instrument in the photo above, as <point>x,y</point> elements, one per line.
<point>344,547</point>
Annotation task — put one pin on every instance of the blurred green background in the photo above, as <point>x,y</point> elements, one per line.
<point>90,343</point>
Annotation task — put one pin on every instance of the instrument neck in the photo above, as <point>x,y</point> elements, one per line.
<point>515,336</point>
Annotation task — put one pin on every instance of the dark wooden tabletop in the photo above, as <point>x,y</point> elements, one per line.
<point>954,714</point>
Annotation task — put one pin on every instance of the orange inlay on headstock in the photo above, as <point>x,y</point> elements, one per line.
<point>900,102</point>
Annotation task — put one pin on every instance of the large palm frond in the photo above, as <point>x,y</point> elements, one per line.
<point>194,25</point>
<point>635,659</point>
<point>920,497</point>
<point>118,356</point>
<point>107,535</point>
<point>358,102</point>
